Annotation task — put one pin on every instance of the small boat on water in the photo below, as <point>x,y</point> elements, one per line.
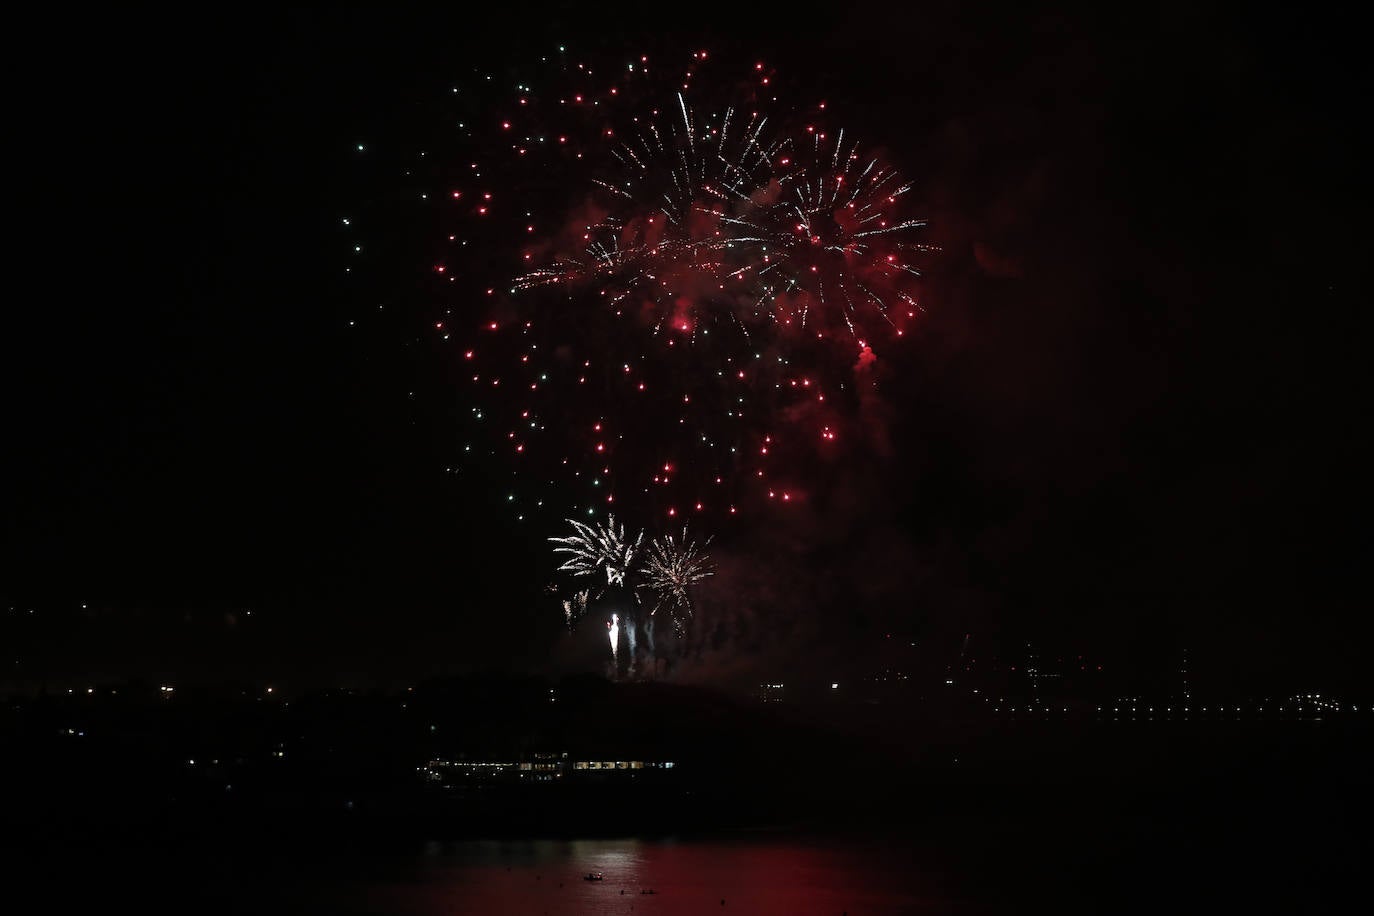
<point>593,876</point>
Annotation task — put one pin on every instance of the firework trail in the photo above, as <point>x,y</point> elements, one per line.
<point>649,634</point>
<point>631,628</point>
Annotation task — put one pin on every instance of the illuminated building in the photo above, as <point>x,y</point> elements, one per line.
<point>530,768</point>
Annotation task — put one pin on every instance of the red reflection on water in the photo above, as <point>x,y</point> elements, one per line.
<point>759,879</point>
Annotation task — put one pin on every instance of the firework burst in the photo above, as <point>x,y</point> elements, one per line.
<point>713,220</point>
<point>671,567</point>
<point>599,547</point>
<point>659,290</point>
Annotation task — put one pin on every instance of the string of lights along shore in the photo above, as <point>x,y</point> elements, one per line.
<point>664,290</point>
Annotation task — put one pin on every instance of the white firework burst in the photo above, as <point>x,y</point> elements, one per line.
<point>599,547</point>
<point>672,567</point>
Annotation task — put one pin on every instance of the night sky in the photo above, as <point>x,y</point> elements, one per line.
<point>1134,422</point>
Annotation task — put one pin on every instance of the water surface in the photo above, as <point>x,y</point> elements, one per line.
<point>734,876</point>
